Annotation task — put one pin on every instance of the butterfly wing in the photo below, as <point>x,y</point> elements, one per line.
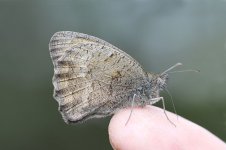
<point>92,78</point>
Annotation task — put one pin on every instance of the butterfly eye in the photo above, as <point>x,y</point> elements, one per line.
<point>161,82</point>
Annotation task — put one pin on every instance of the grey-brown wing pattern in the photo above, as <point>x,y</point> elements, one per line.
<point>91,77</point>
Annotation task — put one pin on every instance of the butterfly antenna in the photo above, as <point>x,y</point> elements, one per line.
<point>177,64</point>
<point>189,70</point>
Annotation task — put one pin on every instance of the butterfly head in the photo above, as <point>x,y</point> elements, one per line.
<point>161,81</point>
<point>158,82</point>
<point>163,77</point>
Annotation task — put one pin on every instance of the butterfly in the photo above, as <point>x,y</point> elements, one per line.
<point>94,79</point>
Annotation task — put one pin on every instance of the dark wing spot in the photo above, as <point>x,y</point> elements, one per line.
<point>116,74</point>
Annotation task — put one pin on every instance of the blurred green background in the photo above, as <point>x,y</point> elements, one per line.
<point>158,33</point>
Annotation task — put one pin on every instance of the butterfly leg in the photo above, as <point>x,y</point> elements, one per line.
<point>132,105</point>
<point>164,108</point>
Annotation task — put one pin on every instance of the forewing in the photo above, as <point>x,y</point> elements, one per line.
<point>91,77</point>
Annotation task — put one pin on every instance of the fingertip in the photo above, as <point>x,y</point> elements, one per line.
<point>148,128</point>
<point>140,131</point>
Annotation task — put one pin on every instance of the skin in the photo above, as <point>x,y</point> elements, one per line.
<point>148,128</point>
